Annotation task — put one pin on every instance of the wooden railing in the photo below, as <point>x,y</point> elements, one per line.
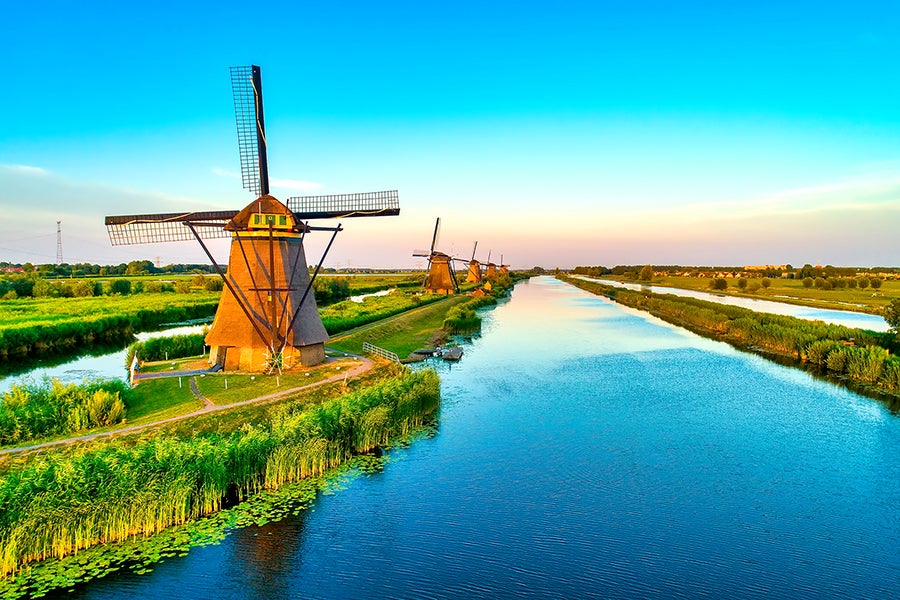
<point>380,352</point>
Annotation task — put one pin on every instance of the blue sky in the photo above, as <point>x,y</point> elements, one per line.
<point>557,134</point>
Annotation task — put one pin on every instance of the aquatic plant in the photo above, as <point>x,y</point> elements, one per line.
<point>166,347</point>
<point>30,411</point>
<point>61,503</point>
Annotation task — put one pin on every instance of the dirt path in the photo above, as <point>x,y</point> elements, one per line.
<point>208,407</point>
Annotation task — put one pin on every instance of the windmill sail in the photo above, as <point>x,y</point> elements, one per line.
<point>246,86</point>
<point>339,206</point>
<point>168,227</point>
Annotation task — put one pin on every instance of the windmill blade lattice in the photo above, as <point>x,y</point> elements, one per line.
<point>337,206</point>
<point>169,227</point>
<point>246,86</point>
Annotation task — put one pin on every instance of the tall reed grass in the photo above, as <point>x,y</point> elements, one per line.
<point>30,411</point>
<point>60,504</point>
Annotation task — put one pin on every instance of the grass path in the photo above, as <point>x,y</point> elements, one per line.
<point>208,407</point>
<point>401,320</point>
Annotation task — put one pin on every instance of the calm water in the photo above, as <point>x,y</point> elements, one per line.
<point>585,450</point>
<point>109,365</point>
<point>839,317</point>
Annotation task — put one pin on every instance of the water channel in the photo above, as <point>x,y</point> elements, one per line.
<point>585,450</point>
<point>104,365</point>
<point>839,317</point>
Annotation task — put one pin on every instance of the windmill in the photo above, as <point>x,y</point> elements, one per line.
<point>474,274</point>
<point>504,268</point>
<point>267,316</point>
<point>491,270</point>
<point>440,279</point>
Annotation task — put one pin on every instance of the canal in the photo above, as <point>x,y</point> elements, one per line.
<point>585,450</point>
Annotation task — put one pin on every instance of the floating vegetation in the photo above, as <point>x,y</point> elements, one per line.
<point>140,554</point>
<point>60,504</point>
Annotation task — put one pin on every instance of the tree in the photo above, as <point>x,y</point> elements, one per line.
<point>875,283</point>
<point>742,283</point>
<point>120,286</point>
<point>863,282</point>
<point>807,282</point>
<point>719,283</point>
<point>892,315</point>
<point>766,282</point>
<point>647,273</point>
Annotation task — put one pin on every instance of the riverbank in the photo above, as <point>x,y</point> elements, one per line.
<point>863,357</point>
<point>63,501</point>
<point>788,291</point>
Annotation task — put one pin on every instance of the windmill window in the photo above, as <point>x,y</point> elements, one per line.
<point>270,219</point>
<point>256,219</point>
<point>282,220</point>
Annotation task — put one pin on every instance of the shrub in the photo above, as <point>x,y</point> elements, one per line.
<point>119,286</point>
<point>213,284</point>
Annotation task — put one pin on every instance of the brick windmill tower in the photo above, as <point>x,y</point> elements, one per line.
<point>267,317</point>
<point>441,278</point>
<point>474,273</point>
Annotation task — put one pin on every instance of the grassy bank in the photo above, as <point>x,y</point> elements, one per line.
<point>33,327</point>
<point>418,328</point>
<point>61,502</point>
<point>858,355</point>
<point>347,315</point>
<point>789,291</point>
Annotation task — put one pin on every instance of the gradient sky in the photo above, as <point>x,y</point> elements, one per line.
<point>556,133</point>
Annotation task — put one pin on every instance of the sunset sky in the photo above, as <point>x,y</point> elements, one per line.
<point>556,133</point>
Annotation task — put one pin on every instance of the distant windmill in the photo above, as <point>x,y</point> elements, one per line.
<point>267,316</point>
<point>504,268</point>
<point>440,279</point>
<point>474,273</point>
<point>491,270</point>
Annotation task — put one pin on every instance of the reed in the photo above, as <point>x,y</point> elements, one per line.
<point>463,318</point>
<point>30,411</point>
<point>164,348</point>
<point>61,503</point>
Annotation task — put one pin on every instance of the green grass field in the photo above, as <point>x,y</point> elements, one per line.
<point>400,334</point>
<point>792,291</point>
